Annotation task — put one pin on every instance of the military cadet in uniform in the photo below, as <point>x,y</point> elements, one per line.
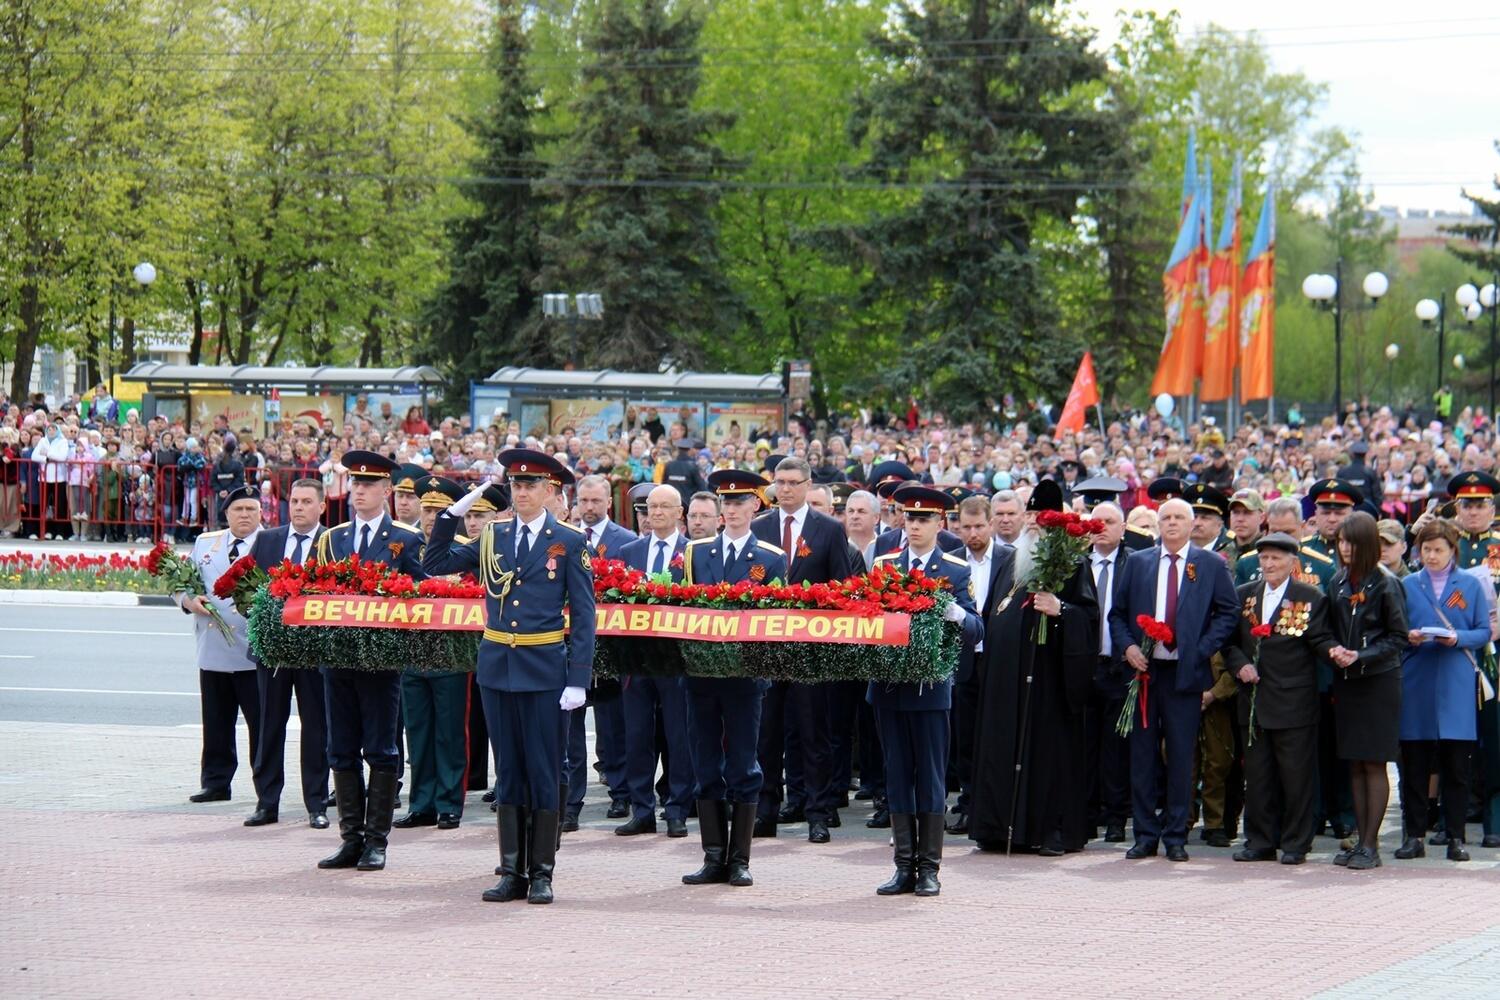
<point>1247,521</point>
<point>682,474</point>
<point>912,719</point>
<point>226,673</point>
<point>637,499</point>
<point>435,710</point>
<point>404,493</point>
<point>1217,743</point>
<point>724,712</point>
<point>1479,545</point>
<point>1284,514</point>
<point>531,567</point>
<point>365,706</point>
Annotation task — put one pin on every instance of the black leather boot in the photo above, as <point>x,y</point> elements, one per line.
<point>510,825</point>
<point>569,822</point>
<point>929,853</point>
<point>881,817</point>
<point>542,849</point>
<point>379,806</point>
<point>904,832</point>
<point>741,829</point>
<point>713,830</point>
<point>349,799</point>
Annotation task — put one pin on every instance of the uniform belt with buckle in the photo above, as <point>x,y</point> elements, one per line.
<point>514,639</point>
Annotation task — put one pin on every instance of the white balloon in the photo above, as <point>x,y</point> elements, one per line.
<point>1165,404</point>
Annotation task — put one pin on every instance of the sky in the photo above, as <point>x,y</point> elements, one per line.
<point>1418,85</point>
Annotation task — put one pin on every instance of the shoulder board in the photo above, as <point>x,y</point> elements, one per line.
<point>462,539</point>
<point>343,524</point>
<point>768,545</point>
<point>1252,554</point>
<point>408,527</point>
<point>701,541</point>
<point>213,534</point>
<point>889,556</point>
<point>1139,531</point>
<point>950,557</point>
<point>1494,535</point>
<point>573,528</point>
<point>1316,554</point>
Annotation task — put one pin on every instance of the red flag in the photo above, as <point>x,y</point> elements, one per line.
<point>1085,393</point>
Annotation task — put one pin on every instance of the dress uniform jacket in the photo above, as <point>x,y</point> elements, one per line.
<point>397,545</point>
<point>938,696</point>
<point>211,556</point>
<point>894,540</point>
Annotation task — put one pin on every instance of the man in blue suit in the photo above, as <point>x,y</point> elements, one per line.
<point>912,719</point>
<point>607,540</point>
<point>365,706</point>
<point>724,712</point>
<point>294,541</point>
<point>1189,589</point>
<point>532,567</point>
<point>644,695</point>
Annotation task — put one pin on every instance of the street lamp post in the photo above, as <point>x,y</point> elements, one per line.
<point>1392,352</point>
<point>1326,291</point>
<point>585,305</point>
<point>1427,311</point>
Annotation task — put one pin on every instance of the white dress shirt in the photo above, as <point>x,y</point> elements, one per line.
<point>1105,594</point>
<point>667,554</point>
<point>595,534</point>
<point>359,526</point>
<point>923,561</point>
<point>979,574</point>
<point>1270,599</point>
<point>535,524</point>
<point>798,518</point>
<point>1164,566</point>
<point>307,546</point>
<point>739,545</point>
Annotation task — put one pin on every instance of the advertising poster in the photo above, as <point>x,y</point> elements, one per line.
<point>672,412</point>
<point>589,418</point>
<point>485,401</point>
<point>400,402</point>
<point>534,418</point>
<point>728,421</point>
<point>242,411</point>
<point>320,408</point>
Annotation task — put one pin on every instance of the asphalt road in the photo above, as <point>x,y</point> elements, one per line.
<point>125,666</point>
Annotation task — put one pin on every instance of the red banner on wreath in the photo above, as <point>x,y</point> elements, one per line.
<point>659,621</point>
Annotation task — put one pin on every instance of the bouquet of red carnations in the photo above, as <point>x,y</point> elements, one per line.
<point>1260,632</point>
<point>240,582</point>
<point>181,576</point>
<point>1139,691</point>
<point>1065,538</point>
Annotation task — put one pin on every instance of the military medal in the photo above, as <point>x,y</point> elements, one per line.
<point>552,553</point>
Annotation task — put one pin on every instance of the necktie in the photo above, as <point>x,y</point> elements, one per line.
<point>661,556</point>
<point>234,550</point>
<point>916,564</point>
<point>297,553</point>
<point>1101,586</point>
<point>1171,608</point>
<point>524,549</point>
<point>364,538</point>
<point>594,534</point>
<point>729,555</point>
<point>786,536</point>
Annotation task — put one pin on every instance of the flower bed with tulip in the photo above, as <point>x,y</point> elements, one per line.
<point>29,571</point>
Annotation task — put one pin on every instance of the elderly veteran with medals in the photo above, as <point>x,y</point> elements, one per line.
<point>365,706</point>
<point>531,568</point>
<point>912,719</point>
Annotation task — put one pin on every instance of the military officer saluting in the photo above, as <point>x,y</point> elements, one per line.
<point>912,719</point>
<point>532,567</point>
<point>434,709</point>
<point>364,706</point>
<point>723,713</point>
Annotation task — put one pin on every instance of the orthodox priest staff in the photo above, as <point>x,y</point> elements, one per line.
<point>530,567</point>
<point>1030,771</point>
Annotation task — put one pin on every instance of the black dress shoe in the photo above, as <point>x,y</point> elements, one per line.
<point>1141,850</point>
<point>570,822</point>
<point>1490,840</point>
<point>959,824</point>
<point>1293,857</point>
<point>1438,839</point>
<point>448,821</point>
<point>265,817</point>
<point>791,814</point>
<point>210,795</point>
<point>618,809</point>
<point>1456,851</point>
<point>332,802</point>
<point>318,821</point>
<point>1176,852</point>
<point>676,827</point>
<point>1052,846</point>
<point>817,832</point>
<point>880,819</point>
<point>833,820</point>
<point>488,796</point>
<point>1114,833</point>
<point>411,820</point>
<point>863,795</point>
<point>1412,847</point>
<point>1251,854</point>
<point>1217,838</point>
<point>764,828</point>
<point>638,825</point>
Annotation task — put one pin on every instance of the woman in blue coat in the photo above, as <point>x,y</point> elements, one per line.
<point>1439,687</point>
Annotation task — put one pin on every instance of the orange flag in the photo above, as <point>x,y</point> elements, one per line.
<point>1183,289</point>
<point>1221,336</point>
<point>1258,308</point>
<point>1085,393</point>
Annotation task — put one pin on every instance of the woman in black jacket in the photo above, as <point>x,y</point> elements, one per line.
<point>1367,612</point>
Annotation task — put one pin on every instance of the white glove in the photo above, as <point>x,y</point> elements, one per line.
<point>572,698</point>
<point>954,613</point>
<point>461,506</point>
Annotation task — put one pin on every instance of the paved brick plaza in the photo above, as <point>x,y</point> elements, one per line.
<point>115,886</point>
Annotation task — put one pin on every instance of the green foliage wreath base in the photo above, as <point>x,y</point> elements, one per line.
<point>930,656</point>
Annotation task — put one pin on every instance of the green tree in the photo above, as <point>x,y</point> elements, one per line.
<point>635,183</point>
<point>1482,255</point>
<point>476,318</point>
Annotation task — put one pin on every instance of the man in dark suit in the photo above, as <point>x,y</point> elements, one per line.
<point>816,552</point>
<point>724,713</point>
<point>1107,752</point>
<point>644,696</point>
<point>1190,590</point>
<point>295,542</point>
<point>531,568</point>
<point>991,564</point>
<point>606,540</point>
<point>365,706</point>
<point>1280,671</point>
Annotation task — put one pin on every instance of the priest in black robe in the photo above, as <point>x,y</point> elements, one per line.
<point>1030,766</point>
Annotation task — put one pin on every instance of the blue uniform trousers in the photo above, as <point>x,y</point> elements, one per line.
<point>526,734</point>
<point>364,708</point>
<point>609,746</point>
<point>643,697</point>
<point>723,727</point>
<point>915,745</point>
<point>575,765</point>
<point>435,710</point>
<point>1174,717</point>
<point>276,688</point>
